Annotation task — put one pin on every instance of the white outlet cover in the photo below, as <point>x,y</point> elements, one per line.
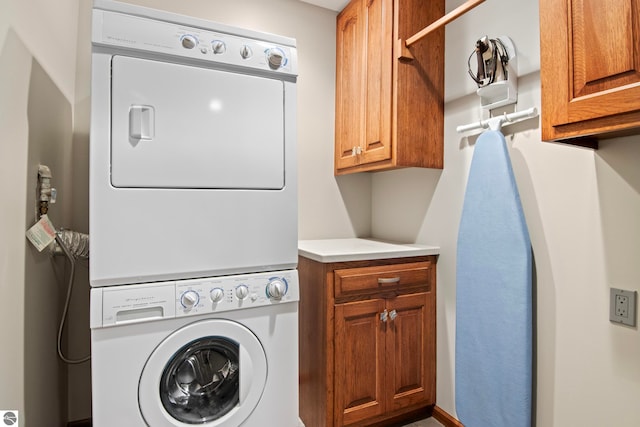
<point>630,318</point>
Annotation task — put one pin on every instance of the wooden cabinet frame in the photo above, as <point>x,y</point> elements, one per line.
<point>389,111</point>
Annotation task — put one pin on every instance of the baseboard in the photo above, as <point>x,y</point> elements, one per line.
<point>80,423</point>
<point>444,418</point>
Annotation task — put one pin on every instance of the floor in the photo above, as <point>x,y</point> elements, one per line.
<point>428,422</point>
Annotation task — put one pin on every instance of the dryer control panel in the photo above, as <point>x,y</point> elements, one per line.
<point>195,39</point>
<point>118,305</point>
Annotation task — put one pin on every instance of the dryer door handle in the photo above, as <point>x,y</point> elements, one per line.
<point>141,122</point>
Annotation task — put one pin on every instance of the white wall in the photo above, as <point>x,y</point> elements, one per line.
<point>37,78</point>
<point>582,209</point>
<point>581,206</point>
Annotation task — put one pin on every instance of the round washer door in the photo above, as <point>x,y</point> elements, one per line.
<point>208,373</point>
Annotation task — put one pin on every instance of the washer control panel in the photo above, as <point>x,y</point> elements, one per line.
<point>204,44</point>
<point>115,305</point>
<point>225,293</point>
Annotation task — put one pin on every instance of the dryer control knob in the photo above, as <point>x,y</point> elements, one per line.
<point>245,52</point>
<point>216,294</point>
<point>188,42</point>
<point>276,58</point>
<point>277,288</point>
<point>218,47</point>
<point>242,291</point>
<point>189,299</point>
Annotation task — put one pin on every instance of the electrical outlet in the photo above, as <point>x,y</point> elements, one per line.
<point>622,306</point>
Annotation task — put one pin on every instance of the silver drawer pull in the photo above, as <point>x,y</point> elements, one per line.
<point>382,280</point>
<point>393,314</point>
<point>384,315</point>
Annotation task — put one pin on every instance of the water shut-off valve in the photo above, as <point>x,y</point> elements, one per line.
<point>46,193</point>
<point>77,244</point>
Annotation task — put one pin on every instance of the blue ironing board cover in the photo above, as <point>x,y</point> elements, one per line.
<point>493,295</point>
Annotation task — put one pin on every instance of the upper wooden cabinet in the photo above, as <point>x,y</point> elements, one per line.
<point>589,68</point>
<point>389,111</point>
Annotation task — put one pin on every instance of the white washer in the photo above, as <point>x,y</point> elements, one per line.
<point>192,159</point>
<point>210,352</point>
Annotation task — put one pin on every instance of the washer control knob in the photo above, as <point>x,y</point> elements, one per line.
<point>216,294</point>
<point>218,47</point>
<point>188,41</point>
<point>242,291</point>
<point>189,299</point>
<point>276,288</point>
<point>246,52</point>
<point>276,58</point>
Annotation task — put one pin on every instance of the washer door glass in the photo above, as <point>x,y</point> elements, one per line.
<point>209,373</point>
<point>201,381</point>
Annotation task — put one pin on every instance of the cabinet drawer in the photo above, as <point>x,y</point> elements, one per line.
<point>350,281</point>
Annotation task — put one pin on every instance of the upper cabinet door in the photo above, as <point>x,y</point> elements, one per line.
<point>590,68</point>
<point>378,66</point>
<point>350,62</point>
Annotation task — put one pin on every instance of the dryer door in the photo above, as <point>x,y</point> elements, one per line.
<point>209,373</point>
<point>180,126</point>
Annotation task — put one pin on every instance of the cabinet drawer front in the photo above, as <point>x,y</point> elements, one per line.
<point>351,281</point>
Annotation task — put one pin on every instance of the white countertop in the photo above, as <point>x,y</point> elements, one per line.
<point>341,250</point>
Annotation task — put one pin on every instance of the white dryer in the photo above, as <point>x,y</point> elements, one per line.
<point>192,159</point>
<point>208,352</point>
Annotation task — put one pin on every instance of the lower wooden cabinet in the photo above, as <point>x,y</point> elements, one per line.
<point>367,340</point>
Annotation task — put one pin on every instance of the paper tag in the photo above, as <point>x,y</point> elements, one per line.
<point>42,233</point>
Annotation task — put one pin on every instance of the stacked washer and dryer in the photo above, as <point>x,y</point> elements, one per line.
<point>193,222</point>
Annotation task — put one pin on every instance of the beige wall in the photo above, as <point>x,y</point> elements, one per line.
<point>50,128</point>
<point>581,206</point>
<point>15,65</point>
<point>582,209</point>
<point>37,79</point>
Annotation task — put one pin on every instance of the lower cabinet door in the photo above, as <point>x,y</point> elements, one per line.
<point>410,349</point>
<point>359,361</point>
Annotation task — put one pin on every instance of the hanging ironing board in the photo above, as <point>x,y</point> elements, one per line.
<point>493,374</point>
